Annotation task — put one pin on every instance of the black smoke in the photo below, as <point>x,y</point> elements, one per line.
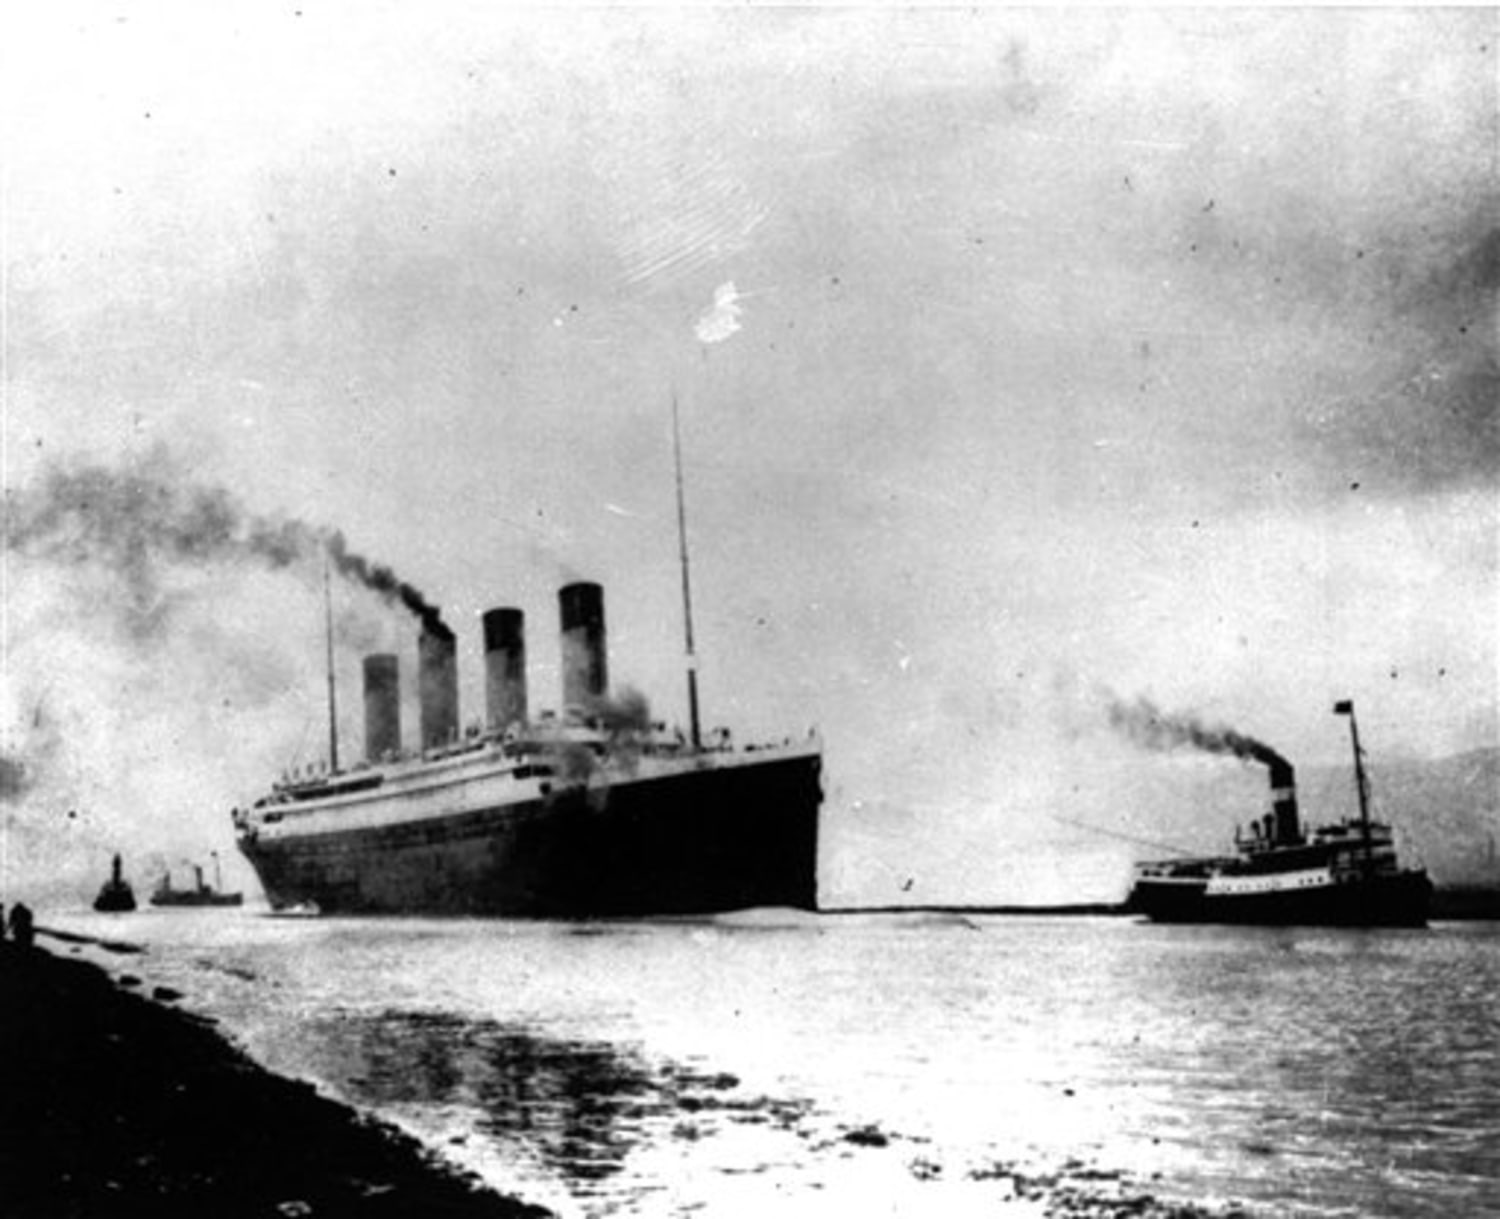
<point>624,719</point>
<point>29,749</point>
<point>1145,724</point>
<point>383,580</point>
<point>625,716</point>
<point>139,519</point>
<point>14,778</point>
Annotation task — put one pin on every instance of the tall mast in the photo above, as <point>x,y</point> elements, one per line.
<point>687,591</point>
<point>333,707</point>
<point>1361,782</point>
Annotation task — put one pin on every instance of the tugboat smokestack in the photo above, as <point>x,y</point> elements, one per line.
<point>1286,823</point>
<point>437,686</point>
<point>504,667</point>
<point>382,706</point>
<point>585,671</point>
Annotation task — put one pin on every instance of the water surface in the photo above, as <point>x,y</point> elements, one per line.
<point>894,1064</point>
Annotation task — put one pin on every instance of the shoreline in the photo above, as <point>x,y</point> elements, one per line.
<point>116,1104</point>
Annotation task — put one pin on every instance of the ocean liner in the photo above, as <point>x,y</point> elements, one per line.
<point>594,811</point>
<point>1343,874</point>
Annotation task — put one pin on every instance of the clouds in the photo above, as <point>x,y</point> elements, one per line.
<point>989,214</point>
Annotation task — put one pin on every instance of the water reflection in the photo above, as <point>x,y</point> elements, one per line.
<point>581,1107</point>
<point>1090,1067</point>
<point>600,1116</point>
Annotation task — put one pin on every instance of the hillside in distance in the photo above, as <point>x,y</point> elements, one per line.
<point>1449,810</point>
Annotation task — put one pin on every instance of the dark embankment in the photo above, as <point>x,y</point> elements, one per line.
<point>114,1105</point>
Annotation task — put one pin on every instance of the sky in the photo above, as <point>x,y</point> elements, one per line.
<point>1028,362</point>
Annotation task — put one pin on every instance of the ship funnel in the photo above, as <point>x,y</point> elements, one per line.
<point>1288,828</point>
<point>382,706</point>
<point>585,670</point>
<point>504,667</point>
<point>437,686</point>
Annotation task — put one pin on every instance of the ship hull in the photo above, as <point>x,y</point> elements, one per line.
<point>115,899</point>
<point>703,840</point>
<point>1396,900</point>
<point>174,900</point>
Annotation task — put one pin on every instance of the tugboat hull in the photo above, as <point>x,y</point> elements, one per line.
<point>1399,900</point>
<point>115,896</point>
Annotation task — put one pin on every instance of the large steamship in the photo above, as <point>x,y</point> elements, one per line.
<point>593,812</point>
<point>1342,874</point>
<point>596,811</point>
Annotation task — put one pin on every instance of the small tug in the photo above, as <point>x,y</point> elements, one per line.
<point>115,896</point>
<point>1344,874</point>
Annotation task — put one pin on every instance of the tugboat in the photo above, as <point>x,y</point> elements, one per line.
<point>1345,874</point>
<point>200,895</point>
<point>115,896</point>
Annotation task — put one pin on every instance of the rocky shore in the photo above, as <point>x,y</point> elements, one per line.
<point>112,1104</point>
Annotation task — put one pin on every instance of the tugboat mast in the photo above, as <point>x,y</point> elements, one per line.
<point>687,592</point>
<point>1361,782</point>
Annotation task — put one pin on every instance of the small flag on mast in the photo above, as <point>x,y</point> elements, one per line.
<point>1343,707</point>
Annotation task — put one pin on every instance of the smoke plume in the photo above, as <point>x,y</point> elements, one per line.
<point>145,517</point>
<point>1146,725</point>
<point>625,720</point>
<point>14,779</point>
<point>383,580</point>
<point>28,745</point>
<point>625,716</point>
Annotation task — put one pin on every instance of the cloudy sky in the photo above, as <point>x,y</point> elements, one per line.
<point>1056,356</point>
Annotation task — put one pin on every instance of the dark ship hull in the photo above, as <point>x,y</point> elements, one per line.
<point>1398,900</point>
<point>188,897</point>
<point>709,833</point>
<point>201,894</point>
<point>115,895</point>
<point>113,899</point>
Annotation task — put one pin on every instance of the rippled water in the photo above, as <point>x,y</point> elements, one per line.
<point>880,1063</point>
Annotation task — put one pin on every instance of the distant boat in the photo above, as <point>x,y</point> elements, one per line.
<point>1345,874</point>
<point>200,895</point>
<point>116,896</point>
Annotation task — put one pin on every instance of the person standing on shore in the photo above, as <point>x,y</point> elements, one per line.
<point>20,925</point>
